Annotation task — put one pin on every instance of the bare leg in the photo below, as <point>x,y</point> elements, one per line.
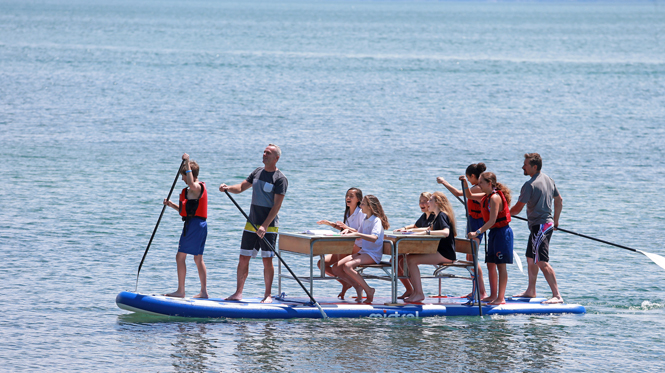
<point>492,275</point>
<point>268,275</point>
<point>338,269</point>
<point>182,274</point>
<point>241,277</point>
<point>203,274</point>
<point>481,283</point>
<point>405,281</point>
<point>503,281</point>
<point>414,272</point>
<point>348,268</point>
<point>533,275</point>
<point>550,276</point>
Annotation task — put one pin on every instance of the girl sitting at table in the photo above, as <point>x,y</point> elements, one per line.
<point>495,207</point>
<point>353,219</point>
<point>443,226</point>
<point>424,221</point>
<point>371,235</point>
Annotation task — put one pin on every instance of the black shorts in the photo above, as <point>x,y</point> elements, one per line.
<point>251,244</point>
<point>538,247</point>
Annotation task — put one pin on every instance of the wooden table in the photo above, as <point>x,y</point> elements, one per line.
<point>319,245</point>
<point>313,245</point>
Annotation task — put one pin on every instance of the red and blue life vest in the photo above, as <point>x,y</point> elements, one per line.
<point>503,217</point>
<point>190,208</point>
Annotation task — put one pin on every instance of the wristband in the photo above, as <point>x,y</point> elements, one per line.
<point>188,171</point>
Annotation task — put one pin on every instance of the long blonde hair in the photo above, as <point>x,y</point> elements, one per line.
<point>377,210</point>
<point>444,205</point>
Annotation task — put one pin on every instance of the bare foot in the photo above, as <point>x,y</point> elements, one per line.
<point>525,295</point>
<point>489,299</point>
<point>202,295</point>
<point>415,298</point>
<point>370,296</point>
<point>553,300</point>
<point>343,292</point>
<point>482,296</point>
<point>176,294</point>
<point>359,292</point>
<point>267,299</point>
<point>235,296</point>
<point>497,302</point>
<point>405,295</point>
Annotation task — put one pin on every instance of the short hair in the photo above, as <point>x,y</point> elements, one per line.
<point>279,151</point>
<point>534,160</point>
<point>193,166</point>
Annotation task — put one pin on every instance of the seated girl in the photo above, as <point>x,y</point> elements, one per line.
<point>424,221</point>
<point>353,218</point>
<point>443,226</point>
<point>371,233</point>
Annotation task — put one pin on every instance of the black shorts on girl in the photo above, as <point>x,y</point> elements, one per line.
<point>500,246</point>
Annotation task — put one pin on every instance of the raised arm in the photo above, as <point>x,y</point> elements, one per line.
<point>471,193</point>
<point>456,192</point>
<point>189,178</point>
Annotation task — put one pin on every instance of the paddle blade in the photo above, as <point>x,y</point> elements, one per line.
<point>518,261</point>
<point>659,260</point>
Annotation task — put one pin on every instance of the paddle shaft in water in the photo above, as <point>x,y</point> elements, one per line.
<point>323,314</point>
<point>157,225</point>
<point>474,250</point>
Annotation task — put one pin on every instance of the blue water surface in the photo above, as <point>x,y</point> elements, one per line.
<point>98,100</point>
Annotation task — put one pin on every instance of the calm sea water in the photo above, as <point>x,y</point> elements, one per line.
<point>98,100</point>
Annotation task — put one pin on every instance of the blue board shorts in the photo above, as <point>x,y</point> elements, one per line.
<point>474,225</point>
<point>500,246</point>
<point>193,237</point>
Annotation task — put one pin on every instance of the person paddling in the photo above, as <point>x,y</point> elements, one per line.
<point>268,189</point>
<point>476,221</point>
<point>193,207</point>
<point>539,194</point>
<point>495,209</point>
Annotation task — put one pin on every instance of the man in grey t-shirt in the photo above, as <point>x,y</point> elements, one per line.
<point>269,187</point>
<point>539,194</point>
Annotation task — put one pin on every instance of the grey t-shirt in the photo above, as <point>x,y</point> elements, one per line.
<point>264,187</point>
<point>538,194</point>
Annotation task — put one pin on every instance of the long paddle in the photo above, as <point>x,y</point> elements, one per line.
<point>157,225</point>
<point>659,260</point>
<point>474,250</point>
<point>323,314</point>
<point>518,261</point>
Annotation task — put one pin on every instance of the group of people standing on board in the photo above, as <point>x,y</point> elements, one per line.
<point>488,205</point>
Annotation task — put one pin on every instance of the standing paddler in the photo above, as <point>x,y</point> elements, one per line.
<point>268,189</point>
<point>539,194</point>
